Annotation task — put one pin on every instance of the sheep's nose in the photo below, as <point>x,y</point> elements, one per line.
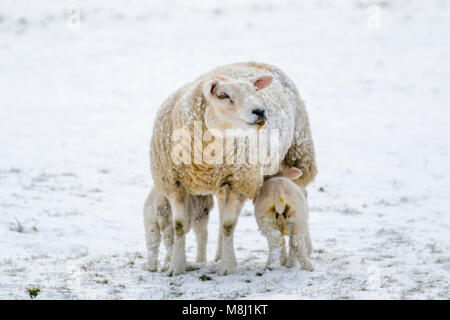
<point>261,113</point>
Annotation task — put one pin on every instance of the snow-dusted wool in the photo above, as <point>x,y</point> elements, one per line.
<point>281,209</point>
<point>285,111</point>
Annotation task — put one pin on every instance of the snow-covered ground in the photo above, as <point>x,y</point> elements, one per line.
<point>76,114</point>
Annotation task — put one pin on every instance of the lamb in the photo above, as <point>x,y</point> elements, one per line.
<point>158,220</point>
<point>281,209</point>
<point>246,96</point>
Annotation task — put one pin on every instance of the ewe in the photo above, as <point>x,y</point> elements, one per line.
<point>237,96</point>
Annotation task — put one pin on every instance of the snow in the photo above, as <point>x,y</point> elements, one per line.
<point>76,114</point>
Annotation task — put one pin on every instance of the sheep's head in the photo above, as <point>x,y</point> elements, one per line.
<point>234,104</point>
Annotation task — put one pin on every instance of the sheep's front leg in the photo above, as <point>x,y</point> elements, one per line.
<point>228,221</point>
<point>222,197</point>
<point>219,245</point>
<point>180,219</point>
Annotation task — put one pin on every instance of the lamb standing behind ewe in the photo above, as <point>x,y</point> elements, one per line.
<point>237,96</point>
<point>158,220</point>
<point>281,209</point>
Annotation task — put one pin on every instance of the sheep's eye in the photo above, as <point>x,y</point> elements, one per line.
<point>222,96</point>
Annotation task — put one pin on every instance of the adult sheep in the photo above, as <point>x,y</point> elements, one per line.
<point>236,96</point>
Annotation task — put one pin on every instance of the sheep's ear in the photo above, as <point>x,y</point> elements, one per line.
<point>210,87</point>
<point>262,82</point>
<point>292,173</point>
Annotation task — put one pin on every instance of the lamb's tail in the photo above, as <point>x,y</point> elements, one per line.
<point>280,205</point>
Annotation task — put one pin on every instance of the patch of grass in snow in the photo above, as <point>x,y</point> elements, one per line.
<point>33,292</point>
<point>132,260</point>
<point>204,277</point>
<point>104,281</point>
<point>18,227</point>
<point>14,170</point>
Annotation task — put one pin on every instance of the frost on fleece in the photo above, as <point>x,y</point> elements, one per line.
<point>286,112</point>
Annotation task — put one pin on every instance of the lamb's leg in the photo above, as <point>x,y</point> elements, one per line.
<point>219,245</point>
<point>180,218</point>
<point>299,247</point>
<point>283,253</point>
<point>153,239</point>
<point>201,234</point>
<point>222,196</point>
<point>275,241</point>
<point>292,260</point>
<point>228,220</point>
<point>168,244</point>
<point>309,244</point>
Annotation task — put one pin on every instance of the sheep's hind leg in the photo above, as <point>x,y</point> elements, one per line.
<point>168,244</point>
<point>300,249</point>
<point>153,239</point>
<point>275,241</point>
<point>178,203</point>
<point>309,244</point>
<point>228,220</point>
<point>284,258</point>
<point>292,259</point>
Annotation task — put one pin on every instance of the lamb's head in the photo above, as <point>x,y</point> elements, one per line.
<point>234,104</point>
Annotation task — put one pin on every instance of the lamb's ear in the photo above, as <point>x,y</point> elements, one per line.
<point>262,82</point>
<point>292,173</point>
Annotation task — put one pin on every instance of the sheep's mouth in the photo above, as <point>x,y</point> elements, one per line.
<point>259,123</point>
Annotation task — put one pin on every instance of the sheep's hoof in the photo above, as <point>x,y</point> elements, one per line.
<point>193,267</point>
<point>227,268</point>
<point>150,266</point>
<point>308,266</point>
<point>291,263</point>
<point>173,271</point>
<point>199,264</point>
<point>272,266</point>
<point>165,268</point>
